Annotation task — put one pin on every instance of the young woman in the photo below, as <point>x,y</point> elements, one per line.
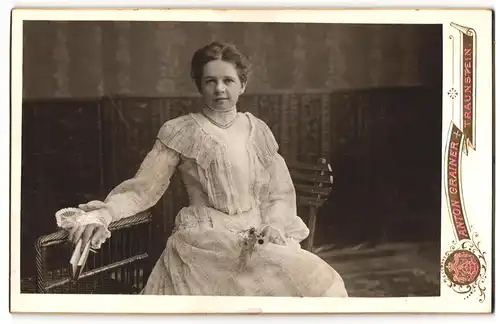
<point>240,234</point>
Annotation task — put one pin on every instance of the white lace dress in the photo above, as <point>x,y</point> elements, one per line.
<point>235,181</point>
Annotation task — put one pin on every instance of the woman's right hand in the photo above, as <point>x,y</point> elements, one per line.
<point>273,235</point>
<point>88,232</point>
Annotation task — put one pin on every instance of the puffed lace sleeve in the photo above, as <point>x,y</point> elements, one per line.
<point>279,209</point>
<point>133,195</point>
<point>278,205</point>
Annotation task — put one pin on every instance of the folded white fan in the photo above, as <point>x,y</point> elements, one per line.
<point>79,259</point>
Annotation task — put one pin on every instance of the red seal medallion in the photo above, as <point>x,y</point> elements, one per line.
<point>462,267</point>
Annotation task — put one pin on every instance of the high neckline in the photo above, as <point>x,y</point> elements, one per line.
<point>221,119</point>
<point>202,125</point>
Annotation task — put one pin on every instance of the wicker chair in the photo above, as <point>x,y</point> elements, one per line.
<point>313,185</point>
<point>123,263</point>
<point>121,266</point>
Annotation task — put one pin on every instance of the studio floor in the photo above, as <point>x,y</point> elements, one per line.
<point>390,270</point>
<point>397,270</point>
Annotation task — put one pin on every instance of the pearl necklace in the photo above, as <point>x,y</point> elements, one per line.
<point>216,123</point>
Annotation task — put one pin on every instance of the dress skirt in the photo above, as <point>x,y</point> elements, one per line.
<point>203,256</point>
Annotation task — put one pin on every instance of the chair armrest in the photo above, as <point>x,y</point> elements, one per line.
<point>141,218</point>
<point>60,237</point>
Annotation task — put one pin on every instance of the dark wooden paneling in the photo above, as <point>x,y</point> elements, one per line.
<point>386,154</point>
<point>62,164</point>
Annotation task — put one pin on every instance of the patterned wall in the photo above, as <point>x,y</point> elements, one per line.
<point>150,59</point>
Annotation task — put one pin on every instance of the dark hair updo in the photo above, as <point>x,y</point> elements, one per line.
<point>219,51</point>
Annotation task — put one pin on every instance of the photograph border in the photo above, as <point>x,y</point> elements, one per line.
<point>467,167</point>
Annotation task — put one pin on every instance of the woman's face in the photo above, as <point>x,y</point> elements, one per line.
<point>220,85</point>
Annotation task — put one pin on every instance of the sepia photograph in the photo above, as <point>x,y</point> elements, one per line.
<point>257,160</point>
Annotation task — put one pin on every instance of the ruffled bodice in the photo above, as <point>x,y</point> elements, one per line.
<point>208,167</point>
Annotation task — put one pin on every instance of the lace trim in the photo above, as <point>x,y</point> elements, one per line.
<point>264,142</point>
<point>183,135</point>
<point>68,218</point>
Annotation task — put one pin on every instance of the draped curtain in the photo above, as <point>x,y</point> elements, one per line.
<point>151,59</point>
